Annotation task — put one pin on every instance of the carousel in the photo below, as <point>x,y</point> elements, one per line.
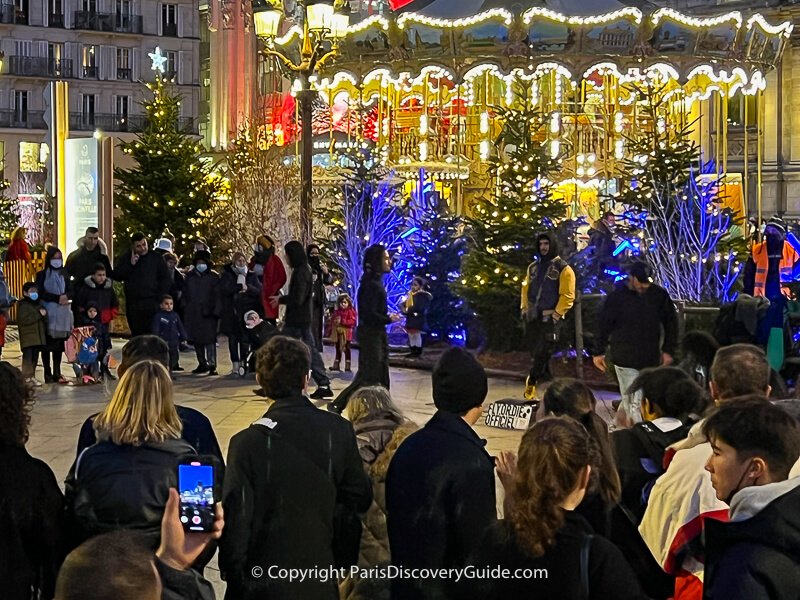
<point>424,92</point>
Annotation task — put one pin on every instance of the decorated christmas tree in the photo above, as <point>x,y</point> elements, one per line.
<point>433,247</point>
<point>171,185</point>
<point>9,213</point>
<point>365,210</point>
<point>504,224</point>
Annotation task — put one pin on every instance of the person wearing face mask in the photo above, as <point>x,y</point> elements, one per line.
<point>240,292</point>
<point>269,267</point>
<point>32,325</point>
<point>203,309</point>
<point>320,277</point>
<point>55,291</point>
<point>755,554</point>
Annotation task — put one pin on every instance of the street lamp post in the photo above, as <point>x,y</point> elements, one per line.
<point>322,22</point>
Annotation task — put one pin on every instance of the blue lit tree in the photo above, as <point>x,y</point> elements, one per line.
<point>366,210</point>
<point>433,247</point>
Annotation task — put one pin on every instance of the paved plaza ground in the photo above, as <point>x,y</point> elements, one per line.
<point>231,406</point>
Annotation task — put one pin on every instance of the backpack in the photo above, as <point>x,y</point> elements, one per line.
<point>87,354</point>
<point>74,343</point>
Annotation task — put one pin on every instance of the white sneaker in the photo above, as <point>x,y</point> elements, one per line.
<point>34,382</point>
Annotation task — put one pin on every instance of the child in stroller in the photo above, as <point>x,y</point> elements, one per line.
<point>259,332</point>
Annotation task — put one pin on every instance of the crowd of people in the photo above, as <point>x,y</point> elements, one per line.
<point>692,493</point>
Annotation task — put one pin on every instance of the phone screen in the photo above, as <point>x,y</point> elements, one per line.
<point>196,488</point>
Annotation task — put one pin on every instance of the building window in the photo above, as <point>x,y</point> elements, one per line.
<point>89,6</point>
<point>89,62</point>
<point>56,14</point>
<point>2,160</point>
<point>121,113</point>
<point>169,20</point>
<point>87,109</point>
<point>22,48</point>
<point>171,66</point>
<point>742,111</point>
<point>20,107</point>
<point>124,64</point>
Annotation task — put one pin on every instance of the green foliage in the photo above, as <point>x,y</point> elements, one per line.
<point>9,212</point>
<point>171,186</point>
<point>503,227</point>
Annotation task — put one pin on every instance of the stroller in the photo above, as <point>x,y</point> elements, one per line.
<point>81,350</point>
<point>259,332</point>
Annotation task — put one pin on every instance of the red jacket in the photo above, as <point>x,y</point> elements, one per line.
<point>18,250</point>
<point>274,279</point>
<point>346,319</point>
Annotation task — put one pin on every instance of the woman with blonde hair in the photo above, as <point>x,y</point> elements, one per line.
<point>542,533</point>
<point>123,481</point>
<point>380,428</point>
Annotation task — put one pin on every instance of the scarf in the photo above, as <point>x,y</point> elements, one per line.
<point>59,316</point>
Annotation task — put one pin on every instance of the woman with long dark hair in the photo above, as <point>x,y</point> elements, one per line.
<point>373,317</point>
<point>55,291</point>
<point>543,531</point>
<point>31,504</point>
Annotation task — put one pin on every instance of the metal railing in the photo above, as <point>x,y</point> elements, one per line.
<point>97,21</point>
<point>125,74</point>
<point>128,23</point>
<point>32,66</point>
<point>55,20</point>
<point>169,30</point>
<point>121,123</point>
<point>90,72</point>
<point>19,119</point>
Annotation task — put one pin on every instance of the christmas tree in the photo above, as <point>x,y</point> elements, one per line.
<point>433,247</point>
<point>365,210</point>
<point>9,213</point>
<point>504,225</point>
<point>691,239</point>
<point>171,186</point>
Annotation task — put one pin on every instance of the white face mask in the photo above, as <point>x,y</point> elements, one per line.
<point>56,263</point>
<point>201,267</point>
<point>239,270</point>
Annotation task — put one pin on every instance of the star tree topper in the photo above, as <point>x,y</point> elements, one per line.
<point>158,60</point>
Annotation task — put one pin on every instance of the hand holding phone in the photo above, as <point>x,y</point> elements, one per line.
<point>196,480</point>
<point>179,550</point>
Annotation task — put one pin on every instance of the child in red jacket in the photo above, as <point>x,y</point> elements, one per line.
<point>344,320</point>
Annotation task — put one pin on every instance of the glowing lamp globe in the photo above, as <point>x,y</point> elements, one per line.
<point>320,16</point>
<point>267,21</point>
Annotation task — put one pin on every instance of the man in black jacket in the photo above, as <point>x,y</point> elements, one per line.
<point>146,281</point>
<point>297,319</point>
<point>440,491</point>
<point>373,317</point>
<point>757,553</point>
<point>286,475</point>
<point>640,322</point>
<point>81,262</point>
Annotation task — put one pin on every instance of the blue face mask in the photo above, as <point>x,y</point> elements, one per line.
<point>33,295</point>
<point>201,267</point>
<point>56,263</point>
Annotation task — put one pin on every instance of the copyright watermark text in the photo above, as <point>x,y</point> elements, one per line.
<point>325,574</point>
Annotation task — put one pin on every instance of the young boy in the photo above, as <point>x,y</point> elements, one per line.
<point>98,291</point>
<point>168,326</point>
<point>32,323</point>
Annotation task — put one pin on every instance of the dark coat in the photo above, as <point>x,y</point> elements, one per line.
<point>145,282</point>
<point>236,303</point>
<point>298,300</point>
<point>177,283</point>
<point>281,486</point>
<point>372,309</point>
<point>31,527</point>
<point>609,575</point>
<point>169,327</point>
<point>104,298</point>
<point>111,487</point>
<point>319,280</point>
<point>633,324</point>
<point>415,316</point>
<point>197,431</point>
<point>183,585</point>
<point>31,323</point>
<point>80,264</point>
<point>440,497</point>
<point>203,306</point>
<point>758,557</point>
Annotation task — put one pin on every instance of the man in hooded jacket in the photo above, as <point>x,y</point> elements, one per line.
<point>548,292</point>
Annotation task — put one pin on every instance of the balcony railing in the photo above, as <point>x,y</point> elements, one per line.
<point>55,20</point>
<point>125,74</point>
<point>18,119</point>
<point>13,15</point>
<point>90,72</point>
<point>121,123</point>
<point>127,23</point>
<point>96,21</point>
<point>29,66</point>
<point>169,30</point>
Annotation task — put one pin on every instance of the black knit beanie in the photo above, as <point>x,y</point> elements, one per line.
<point>459,382</point>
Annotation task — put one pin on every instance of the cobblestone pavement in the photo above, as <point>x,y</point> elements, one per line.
<point>230,404</point>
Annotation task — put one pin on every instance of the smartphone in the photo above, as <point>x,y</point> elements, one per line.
<point>196,482</point>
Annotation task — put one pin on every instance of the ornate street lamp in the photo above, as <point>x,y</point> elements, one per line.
<point>322,22</point>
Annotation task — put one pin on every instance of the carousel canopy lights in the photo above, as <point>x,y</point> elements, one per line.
<point>495,13</point>
<point>529,15</point>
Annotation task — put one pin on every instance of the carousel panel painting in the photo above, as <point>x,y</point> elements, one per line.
<point>718,41</point>
<point>616,37</point>
<point>423,41</point>
<point>482,37</point>
<point>547,36</point>
<point>673,38</point>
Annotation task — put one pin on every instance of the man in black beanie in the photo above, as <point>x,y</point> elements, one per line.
<point>440,492</point>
